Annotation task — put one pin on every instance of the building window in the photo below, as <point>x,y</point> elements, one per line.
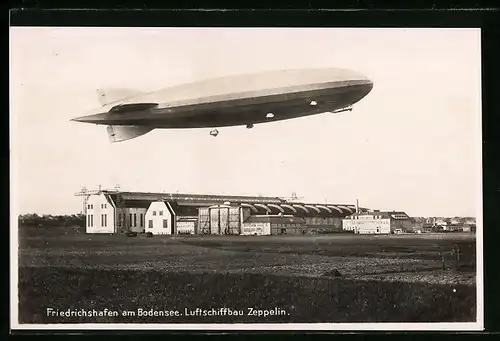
<point>135,219</point>
<point>91,220</point>
<point>106,220</point>
<point>130,219</point>
<point>142,220</point>
<point>154,212</point>
<point>160,212</point>
<point>150,224</point>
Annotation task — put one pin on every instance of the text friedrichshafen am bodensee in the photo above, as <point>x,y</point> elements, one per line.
<point>143,312</point>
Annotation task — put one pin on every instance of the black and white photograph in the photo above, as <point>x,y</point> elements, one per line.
<point>246,178</point>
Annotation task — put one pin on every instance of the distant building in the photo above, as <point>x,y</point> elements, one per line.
<point>449,225</point>
<point>378,222</point>
<point>273,224</point>
<point>469,221</point>
<point>466,228</point>
<point>418,224</point>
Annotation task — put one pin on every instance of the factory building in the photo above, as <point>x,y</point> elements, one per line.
<point>165,213</point>
<point>274,225</point>
<point>377,222</point>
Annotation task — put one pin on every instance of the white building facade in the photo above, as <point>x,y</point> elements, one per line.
<point>160,218</point>
<point>100,214</point>
<point>377,222</point>
<point>256,225</point>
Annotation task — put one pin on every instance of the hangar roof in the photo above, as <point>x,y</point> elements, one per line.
<point>203,199</point>
<point>127,203</point>
<point>184,210</point>
<point>187,204</point>
<point>274,219</point>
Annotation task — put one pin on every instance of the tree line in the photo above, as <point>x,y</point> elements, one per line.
<point>49,220</point>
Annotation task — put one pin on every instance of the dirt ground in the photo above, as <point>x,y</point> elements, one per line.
<point>303,272</point>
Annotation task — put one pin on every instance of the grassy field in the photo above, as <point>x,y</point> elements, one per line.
<point>330,278</point>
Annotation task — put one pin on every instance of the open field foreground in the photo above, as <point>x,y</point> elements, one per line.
<point>329,278</point>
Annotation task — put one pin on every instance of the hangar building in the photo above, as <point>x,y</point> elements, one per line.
<point>113,211</point>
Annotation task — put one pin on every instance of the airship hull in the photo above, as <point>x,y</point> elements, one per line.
<point>238,112</point>
<point>239,100</point>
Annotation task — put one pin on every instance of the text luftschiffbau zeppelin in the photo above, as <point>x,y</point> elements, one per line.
<point>143,312</point>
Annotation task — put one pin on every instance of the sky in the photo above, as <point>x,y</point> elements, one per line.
<point>413,144</point>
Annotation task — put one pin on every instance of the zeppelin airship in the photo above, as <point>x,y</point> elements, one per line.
<point>238,100</point>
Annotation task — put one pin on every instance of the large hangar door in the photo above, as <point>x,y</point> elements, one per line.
<point>214,221</point>
<point>234,220</point>
<point>204,221</point>
<point>219,220</point>
<point>224,220</point>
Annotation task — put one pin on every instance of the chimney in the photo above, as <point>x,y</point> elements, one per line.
<point>357,205</point>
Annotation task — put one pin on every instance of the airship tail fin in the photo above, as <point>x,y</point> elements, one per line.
<point>108,96</point>
<point>124,133</point>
